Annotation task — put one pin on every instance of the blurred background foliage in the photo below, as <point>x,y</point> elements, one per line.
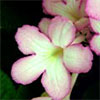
<point>14,14</point>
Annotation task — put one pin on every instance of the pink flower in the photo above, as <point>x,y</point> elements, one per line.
<point>52,55</point>
<point>93,11</point>
<point>71,9</point>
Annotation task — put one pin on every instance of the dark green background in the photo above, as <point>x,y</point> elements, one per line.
<point>14,14</point>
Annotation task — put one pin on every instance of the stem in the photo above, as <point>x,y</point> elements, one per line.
<point>74,78</point>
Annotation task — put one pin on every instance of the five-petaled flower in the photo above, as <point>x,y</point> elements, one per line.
<point>53,55</point>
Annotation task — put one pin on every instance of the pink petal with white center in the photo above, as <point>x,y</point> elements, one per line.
<point>95,24</point>
<point>95,44</point>
<point>56,79</point>
<point>43,25</point>
<point>42,98</point>
<point>28,69</point>
<point>82,23</point>
<point>61,31</point>
<point>93,8</point>
<point>78,59</point>
<point>30,40</point>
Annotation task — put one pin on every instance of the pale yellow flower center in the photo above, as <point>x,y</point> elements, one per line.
<point>57,52</point>
<point>75,15</point>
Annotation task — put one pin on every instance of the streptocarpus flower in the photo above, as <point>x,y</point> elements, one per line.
<point>93,10</point>
<point>71,9</point>
<point>54,56</point>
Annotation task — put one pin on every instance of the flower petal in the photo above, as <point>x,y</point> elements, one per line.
<point>95,24</point>
<point>28,69</point>
<point>95,44</point>
<point>43,25</point>
<point>82,6</point>
<point>30,40</point>
<point>56,7</point>
<point>72,9</point>
<point>56,79</point>
<point>61,31</point>
<point>93,8</point>
<point>78,59</point>
<point>42,98</point>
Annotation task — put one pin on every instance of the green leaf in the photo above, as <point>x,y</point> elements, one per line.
<point>22,92</point>
<point>7,89</point>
